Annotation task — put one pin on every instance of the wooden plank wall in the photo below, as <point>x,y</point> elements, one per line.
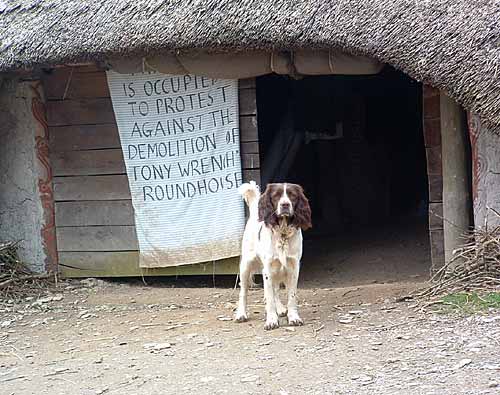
<point>93,211</point>
<point>432,141</point>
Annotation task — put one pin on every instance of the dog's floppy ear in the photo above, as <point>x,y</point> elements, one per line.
<point>267,211</point>
<point>302,211</point>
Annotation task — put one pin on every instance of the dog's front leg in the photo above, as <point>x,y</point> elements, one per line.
<point>245,274</point>
<point>271,314</point>
<point>292,280</point>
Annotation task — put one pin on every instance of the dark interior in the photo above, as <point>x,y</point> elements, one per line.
<point>355,144</point>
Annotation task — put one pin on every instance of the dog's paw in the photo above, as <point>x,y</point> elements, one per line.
<point>241,317</point>
<point>282,311</point>
<point>271,324</point>
<point>295,320</point>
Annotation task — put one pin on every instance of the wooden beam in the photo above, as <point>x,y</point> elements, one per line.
<point>83,137</point>
<point>110,161</point>
<point>250,147</point>
<point>126,264</point>
<point>456,190</point>
<point>92,213</point>
<point>97,238</point>
<point>92,162</point>
<point>247,83</point>
<point>72,83</point>
<point>80,112</point>
<point>113,187</point>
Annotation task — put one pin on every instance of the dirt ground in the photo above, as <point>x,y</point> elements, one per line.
<point>126,338</point>
<point>176,336</point>
<point>392,253</point>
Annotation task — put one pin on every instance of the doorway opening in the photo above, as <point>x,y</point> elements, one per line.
<point>355,143</point>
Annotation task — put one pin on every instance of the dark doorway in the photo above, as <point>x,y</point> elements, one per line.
<point>355,144</point>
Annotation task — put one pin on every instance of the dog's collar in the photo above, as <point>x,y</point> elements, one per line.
<point>284,230</point>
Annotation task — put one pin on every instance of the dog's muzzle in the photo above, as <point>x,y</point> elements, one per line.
<point>285,210</point>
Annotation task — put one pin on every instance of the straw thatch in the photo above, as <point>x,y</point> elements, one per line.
<point>451,44</point>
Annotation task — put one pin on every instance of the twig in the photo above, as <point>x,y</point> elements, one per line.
<point>63,379</point>
<point>12,379</point>
<point>492,338</point>
<point>16,355</point>
<point>475,266</point>
<point>24,278</point>
<point>100,339</point>
<point>56,372</point>
<point>68,83</point>
<point>349,291</point>
<point>316,330</point>
<point>386,328</point>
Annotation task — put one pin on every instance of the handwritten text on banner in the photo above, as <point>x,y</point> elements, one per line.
<point>180,141</point>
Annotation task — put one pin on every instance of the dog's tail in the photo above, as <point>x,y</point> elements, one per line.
<point>251,194</point>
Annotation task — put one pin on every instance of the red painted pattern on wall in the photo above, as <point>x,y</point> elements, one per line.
<point>45,188</point>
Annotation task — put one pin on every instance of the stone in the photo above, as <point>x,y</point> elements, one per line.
<point>157,346</point>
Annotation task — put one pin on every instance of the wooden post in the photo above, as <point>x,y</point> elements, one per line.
<point>456,194</point>
<point>432,140</point>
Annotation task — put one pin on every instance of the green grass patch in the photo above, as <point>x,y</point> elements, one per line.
<point>470,303</point>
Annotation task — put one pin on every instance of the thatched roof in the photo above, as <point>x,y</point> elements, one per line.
<point>450,44</point>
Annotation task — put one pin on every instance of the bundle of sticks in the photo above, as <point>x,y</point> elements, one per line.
<point>474,267</point>
<point>14,274</point>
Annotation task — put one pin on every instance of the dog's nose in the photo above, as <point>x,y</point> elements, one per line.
<point>285,206</point>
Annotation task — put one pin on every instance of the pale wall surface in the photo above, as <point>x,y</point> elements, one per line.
<point>485,172</point>
<point>21,214</point>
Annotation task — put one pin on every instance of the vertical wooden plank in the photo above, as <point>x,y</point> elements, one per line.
<point>434,161</point>
<point>432,140</point>
<point>249,137</point>
<point>248,101</point>
<point>456,195</point>
<point>437,249</point>
<point>251,175</point>
<point>432,132</point>
<point>435,216</point>
<point>248,128</point>
<point>431,102</point>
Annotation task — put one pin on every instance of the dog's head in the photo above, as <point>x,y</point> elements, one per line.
<point>285,200</point>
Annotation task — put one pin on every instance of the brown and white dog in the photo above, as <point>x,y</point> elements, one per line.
<point>272,241</point>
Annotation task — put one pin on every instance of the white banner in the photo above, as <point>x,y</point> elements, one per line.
<point>180,141</point>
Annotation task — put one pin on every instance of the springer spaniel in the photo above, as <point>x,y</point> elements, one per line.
<point>272,240</point>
